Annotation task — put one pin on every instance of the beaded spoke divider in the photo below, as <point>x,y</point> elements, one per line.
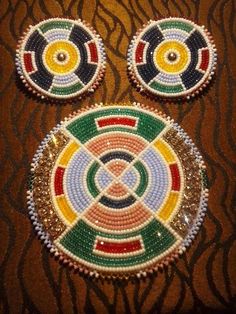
<point>61,58</point>
<point>117,190</point>
<point>171,58</point>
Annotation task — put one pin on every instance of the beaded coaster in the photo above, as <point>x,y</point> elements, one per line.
<point>117,190</point>
<point>171,58</point>
<point>61,58</point>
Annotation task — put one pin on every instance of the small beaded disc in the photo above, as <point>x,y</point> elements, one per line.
<point>61,58</point>
<point>171,58</point>
<point>117,190</point>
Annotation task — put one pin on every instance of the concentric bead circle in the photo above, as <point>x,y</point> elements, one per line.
<point>61,58</point>
<point>171,58</point>
<point>117,190</point>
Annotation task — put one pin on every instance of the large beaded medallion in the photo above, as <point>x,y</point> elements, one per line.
<point>171,58</point>
<point>117,190</point>
<point>61,58</point>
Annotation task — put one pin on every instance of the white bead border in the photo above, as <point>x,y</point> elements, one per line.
<point>87,89</point>
<point>187,94</point>
<point>105,273</point>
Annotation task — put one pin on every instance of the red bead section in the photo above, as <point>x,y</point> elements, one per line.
<point>139,52</point>
<point>58,180</point>
<point>118,247</point>
<point>175,177</point>
<point>124,121</point>
<point>28,62</point>
<point>204,59</point>
<point>93,52</point>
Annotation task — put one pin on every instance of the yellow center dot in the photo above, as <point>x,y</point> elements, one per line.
<point>171,57</point>
<point>61,57</point>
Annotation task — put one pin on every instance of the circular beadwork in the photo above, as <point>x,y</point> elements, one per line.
<point>171,58</point>
<point>61,58</point>
<point>117,190</point>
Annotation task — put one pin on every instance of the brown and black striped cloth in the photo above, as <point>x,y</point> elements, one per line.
<point>204,279</point>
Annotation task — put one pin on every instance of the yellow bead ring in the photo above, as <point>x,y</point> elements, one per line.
<point>61,58</point>
<point>171,58</point>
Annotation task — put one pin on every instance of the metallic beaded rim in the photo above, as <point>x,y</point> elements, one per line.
<point>61,58</point>
<point>117,191</point>
<point>171,58</point>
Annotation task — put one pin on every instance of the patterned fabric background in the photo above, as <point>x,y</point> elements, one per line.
<point>204,279</point>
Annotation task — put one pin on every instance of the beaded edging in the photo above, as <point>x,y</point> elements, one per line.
<point>171,58</point>
<point>61,58</point>
<point>117,191</point>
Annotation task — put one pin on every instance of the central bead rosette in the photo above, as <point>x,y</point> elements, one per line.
<point>116,183</point>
